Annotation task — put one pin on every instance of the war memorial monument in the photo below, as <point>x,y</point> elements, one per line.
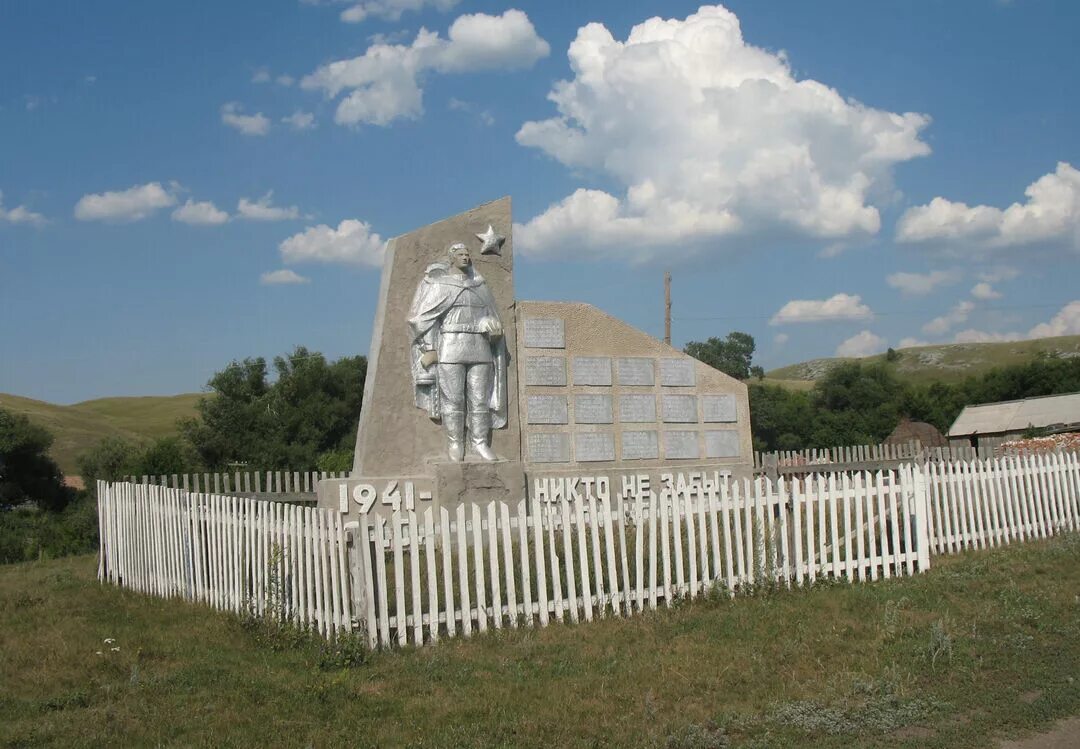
<point>474,395</point>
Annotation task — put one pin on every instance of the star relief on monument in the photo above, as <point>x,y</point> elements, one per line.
<point>492,241</point>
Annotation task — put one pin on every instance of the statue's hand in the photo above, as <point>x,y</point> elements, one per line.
<point>428,358</point>
<point>492,327</point>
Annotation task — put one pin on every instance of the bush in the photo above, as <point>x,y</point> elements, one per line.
<point>27,473</point>
<point>28,533</point>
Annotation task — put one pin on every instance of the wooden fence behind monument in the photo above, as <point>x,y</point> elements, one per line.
<point>243,482</point>
<point>233,553</point>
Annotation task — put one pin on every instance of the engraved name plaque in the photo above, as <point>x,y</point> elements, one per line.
<point>635,371</point>
<point>544,332</point>
<point>636,409</point>
<point>640,446</point>
<point>592,370</point>
<point>549,448</point>
<point>679,409</point>
<point>545,370</point>
<point>718,408</point>
<point>594,446</point>
<point>592,409</point>
<point>679,445</point>
<point>677,372</point>
<point>547,409</point>
<point>722,443</point>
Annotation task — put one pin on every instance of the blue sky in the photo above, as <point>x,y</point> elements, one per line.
<point>185,184</point>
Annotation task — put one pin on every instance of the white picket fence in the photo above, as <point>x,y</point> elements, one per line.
<point>414,578</point>
<point>486,567</point>
<point>233,553</point>
<point>985,503</point>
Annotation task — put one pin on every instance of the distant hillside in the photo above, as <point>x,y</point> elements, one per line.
<point>949,362</point>
<point>81,426</point>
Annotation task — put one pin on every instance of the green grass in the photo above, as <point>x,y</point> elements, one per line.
<point>986,644</point>
<point>947,362</point>
<point>81,426</point>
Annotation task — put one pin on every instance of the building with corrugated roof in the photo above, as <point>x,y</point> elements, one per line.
<point>987,425</point>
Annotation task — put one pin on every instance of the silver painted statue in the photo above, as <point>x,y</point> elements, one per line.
<point>458,353</point>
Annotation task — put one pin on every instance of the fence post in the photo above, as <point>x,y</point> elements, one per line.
<point>922,516</point>
<point>358,549</point>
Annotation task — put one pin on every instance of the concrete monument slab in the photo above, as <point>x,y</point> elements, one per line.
<point>547,371</point>
<point>637,409</point>
<point>677,372</point>
<point>591,447</point>
<point>549,447</point>
<point>636,371</point>
<point>681,445</point>
<point>543,332</point>
<point>592,370</point>
<point>722,443</point>
<point>640,445</point>
<point>547,409</point>
<point>719,408</point>
<point>679,409</point>
<point>592,408</point>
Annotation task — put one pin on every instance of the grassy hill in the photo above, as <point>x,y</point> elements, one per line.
<point>82,425</point>
<point>949,362</point>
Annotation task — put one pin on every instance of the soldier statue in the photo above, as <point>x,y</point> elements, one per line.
<point>458,354</point>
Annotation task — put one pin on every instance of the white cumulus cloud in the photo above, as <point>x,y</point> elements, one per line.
<point>300,120</point>
<point>390,10</point>
<point>283,276</point>
<point>232,114</point>
<point>984,291</point>
<point>203,213</point>
<point>1051,215</point>
<point>351,242</point>
<point>123,206</point>
<point>911,343</point>
<point>710,137</point>
<point>383,84</point>
<point>1065,322</point>
<point>264,210</point>
<point>20,214</point>
<point>957,315</point>
<point>861,344</point>
<point>836,307</point>
<point>919,284</point>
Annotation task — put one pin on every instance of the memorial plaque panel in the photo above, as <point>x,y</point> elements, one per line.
<point>545,370</point>
<point>677,372</point>
<point>680,445</point>
<point>592,409</point>
<point>594,446</point>
<point>722,443</point>
<point>640,446</point>
<point>549,448</point>
<point>635,371</point>
<point>592,370</point>
<point>679,409</point>
<point>544,332</point>
<point>636,409</point>
<point>718,408</point>
<point>547,409</point>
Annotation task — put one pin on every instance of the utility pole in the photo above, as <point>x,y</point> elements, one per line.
<point>667,307</point>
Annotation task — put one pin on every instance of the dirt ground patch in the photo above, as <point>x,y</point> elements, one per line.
<point>1064,735</point>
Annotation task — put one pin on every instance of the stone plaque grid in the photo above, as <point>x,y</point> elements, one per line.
<point>592,370</point>
<point>547,409</point>
<point>635,371</point>
<point>592,409</point>
<point>545,370</point>
<point>718,408</point>
<point>637,409</point>
<point>679,409</point>
<point>722,443</point>
<point>677,372</point>
<point>640,446</point>
<point>546,447</point>
<point>590,447</point>
<point>544,332</point>
<point>680,445</point>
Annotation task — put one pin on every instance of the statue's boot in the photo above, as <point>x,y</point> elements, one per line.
<point>454,421</point>
<point>480,434</point>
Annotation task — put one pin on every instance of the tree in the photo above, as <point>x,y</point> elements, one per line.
<point>732,355</point>
<point>109,460</point>
<point>310,409</point>
<point>27,473</point>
